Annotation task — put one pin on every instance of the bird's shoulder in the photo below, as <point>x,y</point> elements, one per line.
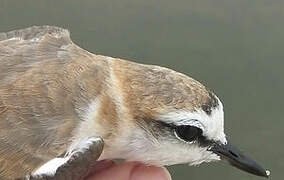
<point>23,49</point>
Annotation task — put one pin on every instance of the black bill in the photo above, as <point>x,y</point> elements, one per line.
<point>238,159</point>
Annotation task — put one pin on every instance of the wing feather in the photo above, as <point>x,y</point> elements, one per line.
<point>22,49</point>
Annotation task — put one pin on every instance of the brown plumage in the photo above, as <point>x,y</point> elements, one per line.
<point>46,81</point>
<point>41,82</point>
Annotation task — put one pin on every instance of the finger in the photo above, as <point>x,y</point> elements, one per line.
<point>142,172</point>
<point>117,172</point>
<point>132,171</point>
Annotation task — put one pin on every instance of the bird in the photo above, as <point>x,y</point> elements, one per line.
<point>63,109</point>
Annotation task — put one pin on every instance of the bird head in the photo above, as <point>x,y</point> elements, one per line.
<point>174,120</point>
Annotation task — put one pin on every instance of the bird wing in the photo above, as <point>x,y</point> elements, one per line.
<point>36,119</point>
<point>22,49</point>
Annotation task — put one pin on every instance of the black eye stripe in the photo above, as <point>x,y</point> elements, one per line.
<point>161,129</point>
<point>188,133</point>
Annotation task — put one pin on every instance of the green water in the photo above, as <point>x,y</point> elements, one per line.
<point>235,47</point>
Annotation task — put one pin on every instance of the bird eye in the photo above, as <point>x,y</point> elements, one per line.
<point>188,133</point>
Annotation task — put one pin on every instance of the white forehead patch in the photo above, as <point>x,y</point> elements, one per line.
<point>212,125</point>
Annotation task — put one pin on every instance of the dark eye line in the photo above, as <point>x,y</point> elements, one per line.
<point>183,132</point>
<point>204,142</point>
<point>201,140</point>
<point>168,125</point>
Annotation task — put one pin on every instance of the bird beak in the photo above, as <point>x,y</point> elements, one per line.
<point>236,158</point>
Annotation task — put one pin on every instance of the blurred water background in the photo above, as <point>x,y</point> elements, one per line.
<point>235,47</point>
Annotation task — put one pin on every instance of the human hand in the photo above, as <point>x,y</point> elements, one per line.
<point>108,170</point>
